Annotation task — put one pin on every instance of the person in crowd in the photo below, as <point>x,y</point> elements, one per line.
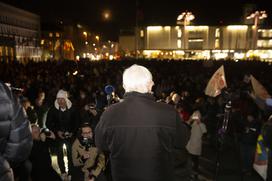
<point>40,157</point>
<point>14,149</point>
<point>41,108</point>
<point>267,134</point>
<point>30,111</point>
<point>194,145</point>
<point>86,157</point>
<point>248,140</point>
<point>62,119</point>
<point>141,136</point>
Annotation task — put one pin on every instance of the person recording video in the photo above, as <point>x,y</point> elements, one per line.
<point>86,156</point>
<point>40,158</point>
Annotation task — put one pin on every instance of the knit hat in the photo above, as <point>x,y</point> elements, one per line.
<point>196,115</point>
<point>63,94</point>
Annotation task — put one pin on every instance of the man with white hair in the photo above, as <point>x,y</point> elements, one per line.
<point>63,119</point>
<point>140,135</point>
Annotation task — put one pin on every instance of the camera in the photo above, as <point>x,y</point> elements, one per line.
<point>66,134</point>
<point>47,132</point>
<point>87,142</point>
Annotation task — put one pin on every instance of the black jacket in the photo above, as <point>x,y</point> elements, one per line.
<point>141,135</point>
<point>58,120</point>
<point>15,133</point>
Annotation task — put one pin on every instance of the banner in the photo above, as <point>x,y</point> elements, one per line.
<point>216,83</point>
<point>261,158</point>
<point>259,89</point>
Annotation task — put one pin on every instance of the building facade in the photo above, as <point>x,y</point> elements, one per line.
<point>19,34</point>
<point>201,42</point>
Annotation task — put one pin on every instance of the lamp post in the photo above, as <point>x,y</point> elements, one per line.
<point>185,18</point>
<point>257,15</point>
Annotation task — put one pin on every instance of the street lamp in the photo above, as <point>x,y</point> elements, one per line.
<point>257,15</point>
<point>185,18</point>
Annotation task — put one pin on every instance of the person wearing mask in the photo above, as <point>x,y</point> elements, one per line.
<point>141,136</point>
<point>15,134</point>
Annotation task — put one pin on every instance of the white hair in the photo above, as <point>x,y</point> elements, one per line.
<point>137,78</point>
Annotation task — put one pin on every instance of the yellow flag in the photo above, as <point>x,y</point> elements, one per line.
<point>259,89</point>
<point>216,83</point>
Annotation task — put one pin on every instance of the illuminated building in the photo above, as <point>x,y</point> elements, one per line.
<point>201,42</point>
<point>19,34</point>
<point>57,42</point>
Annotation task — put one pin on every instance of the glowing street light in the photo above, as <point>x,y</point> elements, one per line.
<point>97,37</point>
<point>257,15</point>
<point>85,33</point>
<point>185,18</point>
<point>106,15</point>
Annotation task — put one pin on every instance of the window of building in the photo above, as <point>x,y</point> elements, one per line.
<point>142,33</point>
<point>50,34</point>
<point>217,33</point>
<point>179,43</point>
<point>57,35</point>
<point>217,45</point>
<point>179,33</point>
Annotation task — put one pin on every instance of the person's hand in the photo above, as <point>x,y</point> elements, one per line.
<point>92,179</point>
<point>60,134</point>
<point>86,156</point>
<point>43,137</point>
<point>52,135</point>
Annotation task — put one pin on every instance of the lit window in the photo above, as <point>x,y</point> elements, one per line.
<point>217,33</point>
<point>142,33</point>
<point>50,34</point>
<point>179,33</point>
<point>57,35</point>
<point>179,43</point>
<point>217,43</point>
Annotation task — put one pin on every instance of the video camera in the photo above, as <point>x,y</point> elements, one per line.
<point>87,142</point>
<point>46,131</point>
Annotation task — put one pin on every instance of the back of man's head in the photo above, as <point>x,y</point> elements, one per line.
<point>137,78</point>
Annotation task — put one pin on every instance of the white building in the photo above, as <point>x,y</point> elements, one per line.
<point>201,42</point>
<point>19,34</point>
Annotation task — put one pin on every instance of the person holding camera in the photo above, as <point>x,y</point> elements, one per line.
<point>40,158</point>
<point>86,156</point>
<point>62,119</point>
<point>194,145</point>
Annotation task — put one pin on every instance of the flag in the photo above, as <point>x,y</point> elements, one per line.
<point>216,83</point>
<point>261,158</point>
<point>259,89</point>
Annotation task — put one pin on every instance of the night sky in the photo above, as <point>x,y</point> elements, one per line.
<point>152,12</point>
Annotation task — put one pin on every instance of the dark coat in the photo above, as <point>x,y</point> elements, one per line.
<point>140,136</point>
<point>15,133</point>
<point>40,158</point>
<point>58,120</point>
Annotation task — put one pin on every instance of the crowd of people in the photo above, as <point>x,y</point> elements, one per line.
<point>64,101</point>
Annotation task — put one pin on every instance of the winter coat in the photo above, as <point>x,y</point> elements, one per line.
<point>66,121</point>
<point>96,161</point>
<point>142,138</point>
<point>194,145</point>
<point>15,133</point>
